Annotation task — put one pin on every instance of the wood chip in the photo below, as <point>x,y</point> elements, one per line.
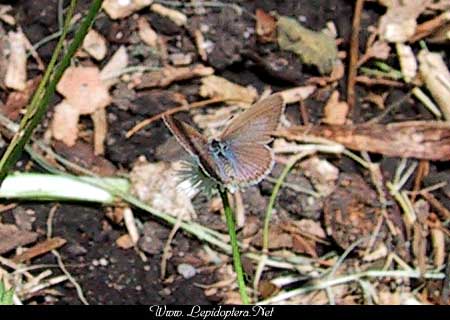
<point>95,44</point>
<point>146,33</point>
<point>335,111</point>
<point>117,9</point>
<point>201,45</point>
<point>436,75</point>
<point>65,123</point>
<point>113,69</point>
<point>84,89</point>
<point>16,73</point>
<point>166,76</point>
<point>100,130</point>
<point>297,94</point>
<point>218,87</point>
<point>40,249</point>
<point>175,16</point>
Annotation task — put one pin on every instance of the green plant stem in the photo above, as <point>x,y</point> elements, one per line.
<point>38,106</point>
<point>273,197</point>
<point>234,245</point>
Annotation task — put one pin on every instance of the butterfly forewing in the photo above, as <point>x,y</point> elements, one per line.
<point>257,123</point>
<point>194,143</point>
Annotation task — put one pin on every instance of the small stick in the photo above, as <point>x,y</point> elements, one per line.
<point>354,53</point>
<point>193,105</point>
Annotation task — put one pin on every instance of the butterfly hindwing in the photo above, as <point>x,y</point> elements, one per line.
<point>250,163</point>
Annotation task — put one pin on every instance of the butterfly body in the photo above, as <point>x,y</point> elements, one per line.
<point>239,156</point>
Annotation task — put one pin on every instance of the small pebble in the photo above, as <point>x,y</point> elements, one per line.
<point>186,270</point>
<point>103,262</point>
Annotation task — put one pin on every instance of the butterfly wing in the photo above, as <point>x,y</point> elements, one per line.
<point>250,163</point>
<point>256,124</point>
<point>194,143</point>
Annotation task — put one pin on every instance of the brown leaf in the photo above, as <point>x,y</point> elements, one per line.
<point>410,139</point>
<point>166,76</point>
<point>19,99</point>
<point>124,242</point>
<point>11,237</point>
<point>84,89</point>
<point>266,26</point>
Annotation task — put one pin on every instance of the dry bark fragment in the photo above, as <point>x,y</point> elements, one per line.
<point>428,140</point>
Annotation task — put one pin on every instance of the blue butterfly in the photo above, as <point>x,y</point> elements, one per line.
<point>240,155</point>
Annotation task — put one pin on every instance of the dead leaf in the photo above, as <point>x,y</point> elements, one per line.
<point>399,23</point>
<point>113,69</point>
<point>436,76</point>
<point>83,89</point>
<point>117,9</point>
<point>65,123</point>
<point>316,48</point>
<point>158,184</point>
<point>176,16</point>
<point>410,139</point>
<point>16,73</point>
<point>266,26</point>
<point>167,75</point>
<point>17,100</point>
<point>335,111</point>
<point>95,44</point>
<point>11,237</point>
<point>218,87</point>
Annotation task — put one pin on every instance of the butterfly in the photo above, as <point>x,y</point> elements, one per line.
<point>240,155</point>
